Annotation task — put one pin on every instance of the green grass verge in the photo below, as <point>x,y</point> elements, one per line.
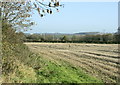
<point>50,72</point>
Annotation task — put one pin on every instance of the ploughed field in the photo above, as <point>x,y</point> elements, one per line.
<point>97,60</point>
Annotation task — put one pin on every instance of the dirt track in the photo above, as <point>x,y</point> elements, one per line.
<point>99,60</point>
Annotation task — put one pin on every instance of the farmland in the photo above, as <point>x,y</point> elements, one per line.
<point>98,60</point>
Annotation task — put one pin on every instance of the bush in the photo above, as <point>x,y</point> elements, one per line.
<point>15,57</point>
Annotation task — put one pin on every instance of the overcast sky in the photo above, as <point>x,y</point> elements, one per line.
<point>79,17</point>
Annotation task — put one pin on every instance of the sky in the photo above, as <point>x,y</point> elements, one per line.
<point>78,17</point>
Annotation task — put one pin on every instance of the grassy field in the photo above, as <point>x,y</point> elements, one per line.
<point>74,62</point>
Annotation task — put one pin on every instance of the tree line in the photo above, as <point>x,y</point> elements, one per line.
<point>73,38</point>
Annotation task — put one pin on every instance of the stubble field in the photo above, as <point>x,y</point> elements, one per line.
<point>98,60</point>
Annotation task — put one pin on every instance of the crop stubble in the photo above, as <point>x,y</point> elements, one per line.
<point>99,60</point>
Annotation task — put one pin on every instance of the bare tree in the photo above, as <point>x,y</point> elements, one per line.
<point>18,14</point>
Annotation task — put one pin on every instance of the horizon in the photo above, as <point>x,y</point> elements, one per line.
<point>71,33</point>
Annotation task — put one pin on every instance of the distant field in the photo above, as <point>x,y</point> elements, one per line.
<point>98,60</point>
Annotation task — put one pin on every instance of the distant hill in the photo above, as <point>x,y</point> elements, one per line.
<point>87,33</point>
<point>80,33</point>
